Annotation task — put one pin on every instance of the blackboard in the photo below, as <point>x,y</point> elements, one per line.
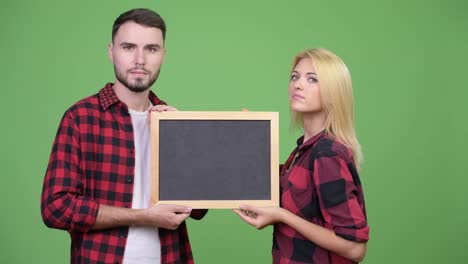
<point>214,159</point>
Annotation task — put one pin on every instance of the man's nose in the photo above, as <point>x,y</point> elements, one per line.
<point>140,57</point>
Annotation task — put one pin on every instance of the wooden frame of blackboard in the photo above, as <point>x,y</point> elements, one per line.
<point>272,118</point>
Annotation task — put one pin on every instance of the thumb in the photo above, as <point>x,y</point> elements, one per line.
<point>246,207</point>
<point>181,209</point>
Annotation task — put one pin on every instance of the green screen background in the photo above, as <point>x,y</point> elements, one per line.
<point>408,62</point>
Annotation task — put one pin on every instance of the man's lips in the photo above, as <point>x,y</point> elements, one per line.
<point>138,72</point>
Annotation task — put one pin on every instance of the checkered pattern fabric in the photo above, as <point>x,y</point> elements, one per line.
<point>323,187</point>
<point>92,163</point>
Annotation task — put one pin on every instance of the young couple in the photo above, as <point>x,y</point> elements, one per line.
<point>97,182</point>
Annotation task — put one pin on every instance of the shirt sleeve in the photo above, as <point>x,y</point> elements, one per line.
<point>63,205</point>
<point>340,197</point>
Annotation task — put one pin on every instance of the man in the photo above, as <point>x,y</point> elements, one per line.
<point>97,181</point>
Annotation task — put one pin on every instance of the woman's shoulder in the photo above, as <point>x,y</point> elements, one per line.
<point>330,147</point>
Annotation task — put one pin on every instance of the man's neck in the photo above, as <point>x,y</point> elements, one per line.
<point>134,101</point>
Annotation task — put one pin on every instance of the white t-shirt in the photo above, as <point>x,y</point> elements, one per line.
<point>143,245</point>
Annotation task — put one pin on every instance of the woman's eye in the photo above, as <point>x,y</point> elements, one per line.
<point>294,77</point>
<point>312,80</point>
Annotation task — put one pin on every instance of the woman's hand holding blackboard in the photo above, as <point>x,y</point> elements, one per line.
<point>259,217</point>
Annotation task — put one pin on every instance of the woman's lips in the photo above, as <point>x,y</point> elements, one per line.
<point>297,97</point>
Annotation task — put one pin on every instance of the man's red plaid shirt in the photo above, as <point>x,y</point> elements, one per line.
<point>92,163</point>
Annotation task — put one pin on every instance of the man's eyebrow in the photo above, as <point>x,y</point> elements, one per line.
<point>127,44</point>
<point>153,45</point>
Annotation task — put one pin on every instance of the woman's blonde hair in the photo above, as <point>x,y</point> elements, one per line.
<point>336,94</point>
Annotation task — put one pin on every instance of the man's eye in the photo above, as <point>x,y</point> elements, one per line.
<point>152,50</point>
<point>127,47</point>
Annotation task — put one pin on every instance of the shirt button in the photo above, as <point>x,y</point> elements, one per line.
<point>121,234</point>
<point>129,179</point>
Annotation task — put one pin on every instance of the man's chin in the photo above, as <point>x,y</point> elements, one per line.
<point>137,85</point>
<point>138,89</point>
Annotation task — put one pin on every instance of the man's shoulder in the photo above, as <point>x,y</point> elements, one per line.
<point>87,104</point>
<point>96,102</point>
<point>81,112</point>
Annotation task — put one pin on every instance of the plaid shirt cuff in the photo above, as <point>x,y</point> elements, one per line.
<point>357,234</point>
<point>84,216</point>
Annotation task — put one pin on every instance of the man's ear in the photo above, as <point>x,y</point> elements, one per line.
<point>164,55</point>
<point>110,52</point>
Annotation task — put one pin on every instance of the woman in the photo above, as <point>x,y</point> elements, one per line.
<point>322,217</point>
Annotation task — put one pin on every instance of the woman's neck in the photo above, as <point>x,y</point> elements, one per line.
<point>314,123</point>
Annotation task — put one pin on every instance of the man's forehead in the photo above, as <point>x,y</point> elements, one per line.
<point>136,33</point>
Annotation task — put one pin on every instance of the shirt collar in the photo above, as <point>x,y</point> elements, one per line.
<point>310,142</point>
<point>107,97</point>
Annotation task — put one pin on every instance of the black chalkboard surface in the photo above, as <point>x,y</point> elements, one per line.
<point>214,159</point>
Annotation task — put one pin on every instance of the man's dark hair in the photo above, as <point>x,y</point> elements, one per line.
<point>141,16</point>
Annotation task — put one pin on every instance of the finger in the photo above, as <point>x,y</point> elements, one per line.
<point>247,207</point>
<point>237,212</point>
<point>181,209</point>
<point>156,108</point>
<point>245,213</point>
<point>181,217</point>
<point>246,218</point>
<point>161,108</point>
<point>253,214</point>
<point>245,110</point>
<point>164,108</point>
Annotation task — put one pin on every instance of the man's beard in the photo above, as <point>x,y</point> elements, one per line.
<point>139,85</point>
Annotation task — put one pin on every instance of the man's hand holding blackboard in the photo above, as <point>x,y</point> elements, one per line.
<point>161,108</point>
<point>158,108</point>
<point>167,216</point>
